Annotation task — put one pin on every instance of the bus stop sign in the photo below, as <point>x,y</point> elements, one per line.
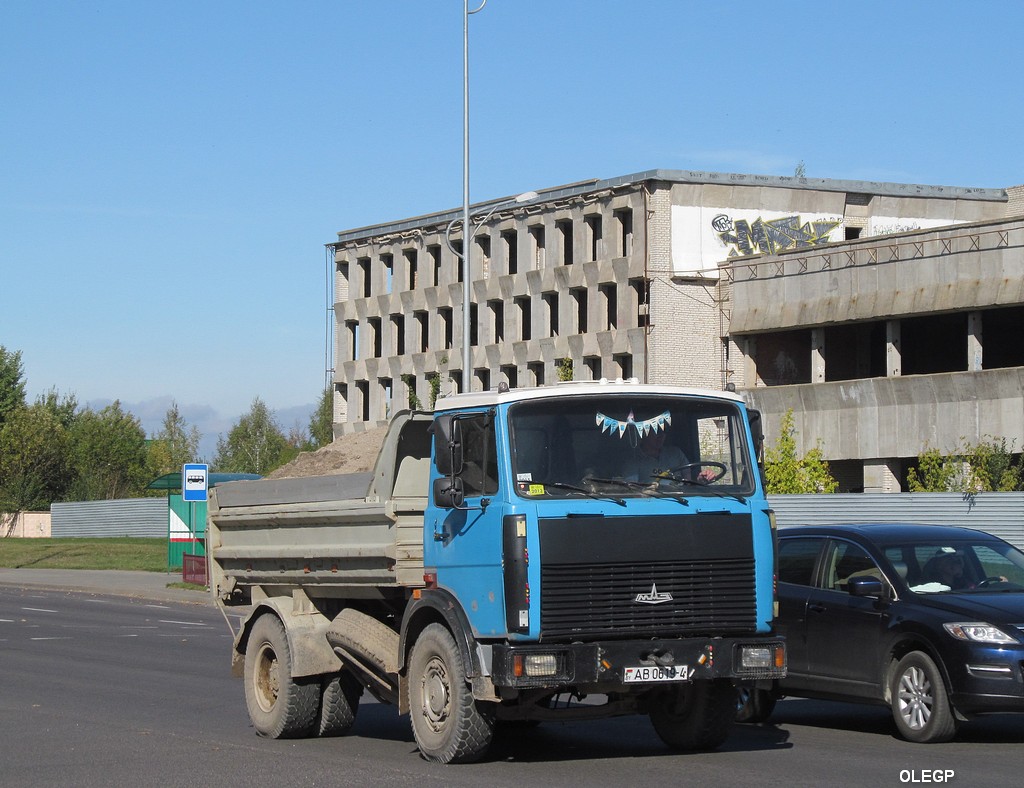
<point>194,481</point>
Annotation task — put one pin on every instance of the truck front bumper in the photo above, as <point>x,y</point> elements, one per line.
<point>637,663</point>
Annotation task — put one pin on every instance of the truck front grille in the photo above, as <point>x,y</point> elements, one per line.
<point>661,598</point>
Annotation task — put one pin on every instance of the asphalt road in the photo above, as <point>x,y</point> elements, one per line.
<point>112,689</point>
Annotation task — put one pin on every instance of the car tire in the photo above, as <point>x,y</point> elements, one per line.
<point>920,703</point>
<point>754,705</point>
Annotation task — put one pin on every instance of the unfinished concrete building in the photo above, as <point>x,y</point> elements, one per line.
<point>647,276</point>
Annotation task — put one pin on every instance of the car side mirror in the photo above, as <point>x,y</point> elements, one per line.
<point>864,586</point>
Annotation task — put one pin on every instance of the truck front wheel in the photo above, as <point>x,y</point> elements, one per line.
<point>280,707</point>
<point>448,724</point>
<point>696,716</point>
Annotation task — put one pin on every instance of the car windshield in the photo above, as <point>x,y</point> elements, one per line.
<point>644,446</point>
<point>959,566</point>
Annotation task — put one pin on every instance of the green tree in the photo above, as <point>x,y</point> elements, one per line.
<point>255,444</point>
<point>990,465</point>
<point>108,454</point>
<point>785,472</point>
<point>564,369</point>
<point>33,460</point>
<point>12,384</point>
<point>64,408</point>
<point>321,423</point>
<point>175,444</point>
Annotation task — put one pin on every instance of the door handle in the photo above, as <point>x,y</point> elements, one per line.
<point>816,608</point>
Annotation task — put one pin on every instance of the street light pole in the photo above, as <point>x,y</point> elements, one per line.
<point>467,247</point>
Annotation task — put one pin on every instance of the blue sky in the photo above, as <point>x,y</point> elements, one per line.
<point>170,172</point>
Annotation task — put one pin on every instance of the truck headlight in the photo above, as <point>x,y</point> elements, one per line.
<point>756,657</point>
<point>535,665</point>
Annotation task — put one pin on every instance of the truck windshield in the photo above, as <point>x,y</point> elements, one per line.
<point>630,447</point>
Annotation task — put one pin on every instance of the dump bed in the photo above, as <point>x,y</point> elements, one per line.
<point>333,536</point>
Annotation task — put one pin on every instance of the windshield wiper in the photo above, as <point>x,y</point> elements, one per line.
<point>648,490</point>
<point>584,491</point>
<point>703,485</point>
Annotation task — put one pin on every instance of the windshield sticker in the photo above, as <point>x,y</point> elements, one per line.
<point>536,489</point>
<point>524,477</point>
<point>653,424</point>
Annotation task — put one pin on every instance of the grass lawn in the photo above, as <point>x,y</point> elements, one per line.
<point>135,553</point>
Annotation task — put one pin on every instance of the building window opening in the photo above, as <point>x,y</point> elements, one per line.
<point>398,331</point>
<point>551,304</point>
<point>624,225</point>
<point>564,230</point>
<point>523,306</point>
<point>497,320</point>
<point>411,266</point>
<point>510,240</point>
<point>579,297</point>
<point>434,253</point>
<point>537,244</point>
<point>445,313</point>
<point>364,274</point>
<point>595,238</point>
<point>611,307</point>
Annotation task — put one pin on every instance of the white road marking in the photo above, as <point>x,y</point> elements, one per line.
<point>39,610</point>
<point>186,623</point>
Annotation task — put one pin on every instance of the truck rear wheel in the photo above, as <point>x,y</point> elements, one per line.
<point>695,716</point>
<point>280,707</point>
<point>448,724</point>
<point>339,704</point>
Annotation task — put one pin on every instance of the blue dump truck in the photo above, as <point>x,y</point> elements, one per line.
<point>575,552</point>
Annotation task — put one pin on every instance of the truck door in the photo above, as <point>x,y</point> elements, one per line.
<point>463,542</point>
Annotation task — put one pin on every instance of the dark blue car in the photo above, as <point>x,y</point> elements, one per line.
<point>928,620</point>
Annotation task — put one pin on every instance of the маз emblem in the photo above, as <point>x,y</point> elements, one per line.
<point>653,597</point>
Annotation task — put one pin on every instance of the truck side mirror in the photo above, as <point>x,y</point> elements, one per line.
<point>447,445</point>
<point>448,492</point>
<point>756,431</point>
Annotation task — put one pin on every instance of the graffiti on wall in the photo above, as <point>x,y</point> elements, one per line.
<point>771,236</point>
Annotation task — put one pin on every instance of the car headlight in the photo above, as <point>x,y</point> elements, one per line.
<point>978,632</point>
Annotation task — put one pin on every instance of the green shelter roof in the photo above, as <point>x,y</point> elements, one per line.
<point>172,481</point>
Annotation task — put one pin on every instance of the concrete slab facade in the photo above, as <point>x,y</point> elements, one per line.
<point>668,276</point>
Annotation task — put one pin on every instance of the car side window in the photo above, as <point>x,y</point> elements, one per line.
<point>846,560</point>
<point>797,558</point>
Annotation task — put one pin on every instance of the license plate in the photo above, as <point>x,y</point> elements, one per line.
<point>645,673</point>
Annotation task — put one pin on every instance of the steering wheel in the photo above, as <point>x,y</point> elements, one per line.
<point>989,581</point>
<point>719,467</point>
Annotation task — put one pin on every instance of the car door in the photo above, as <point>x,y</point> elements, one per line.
<point>798,557</point>
<point>844,633</point>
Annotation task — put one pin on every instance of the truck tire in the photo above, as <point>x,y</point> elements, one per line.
<point>448,724</point>
<point>339,704</point>
<point>920,704</point>
<point>754,705</point>
<point>696,716</point>
<point>280,707</point>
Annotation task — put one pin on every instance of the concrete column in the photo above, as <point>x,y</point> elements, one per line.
<point>748,347</point>
<point>975,344</point>
<point>893,349</point>
<point>817,355</point>
<point>882,476</point>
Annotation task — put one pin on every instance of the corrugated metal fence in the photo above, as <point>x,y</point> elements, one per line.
<point>1001,514</point>
<point>126,517</point>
